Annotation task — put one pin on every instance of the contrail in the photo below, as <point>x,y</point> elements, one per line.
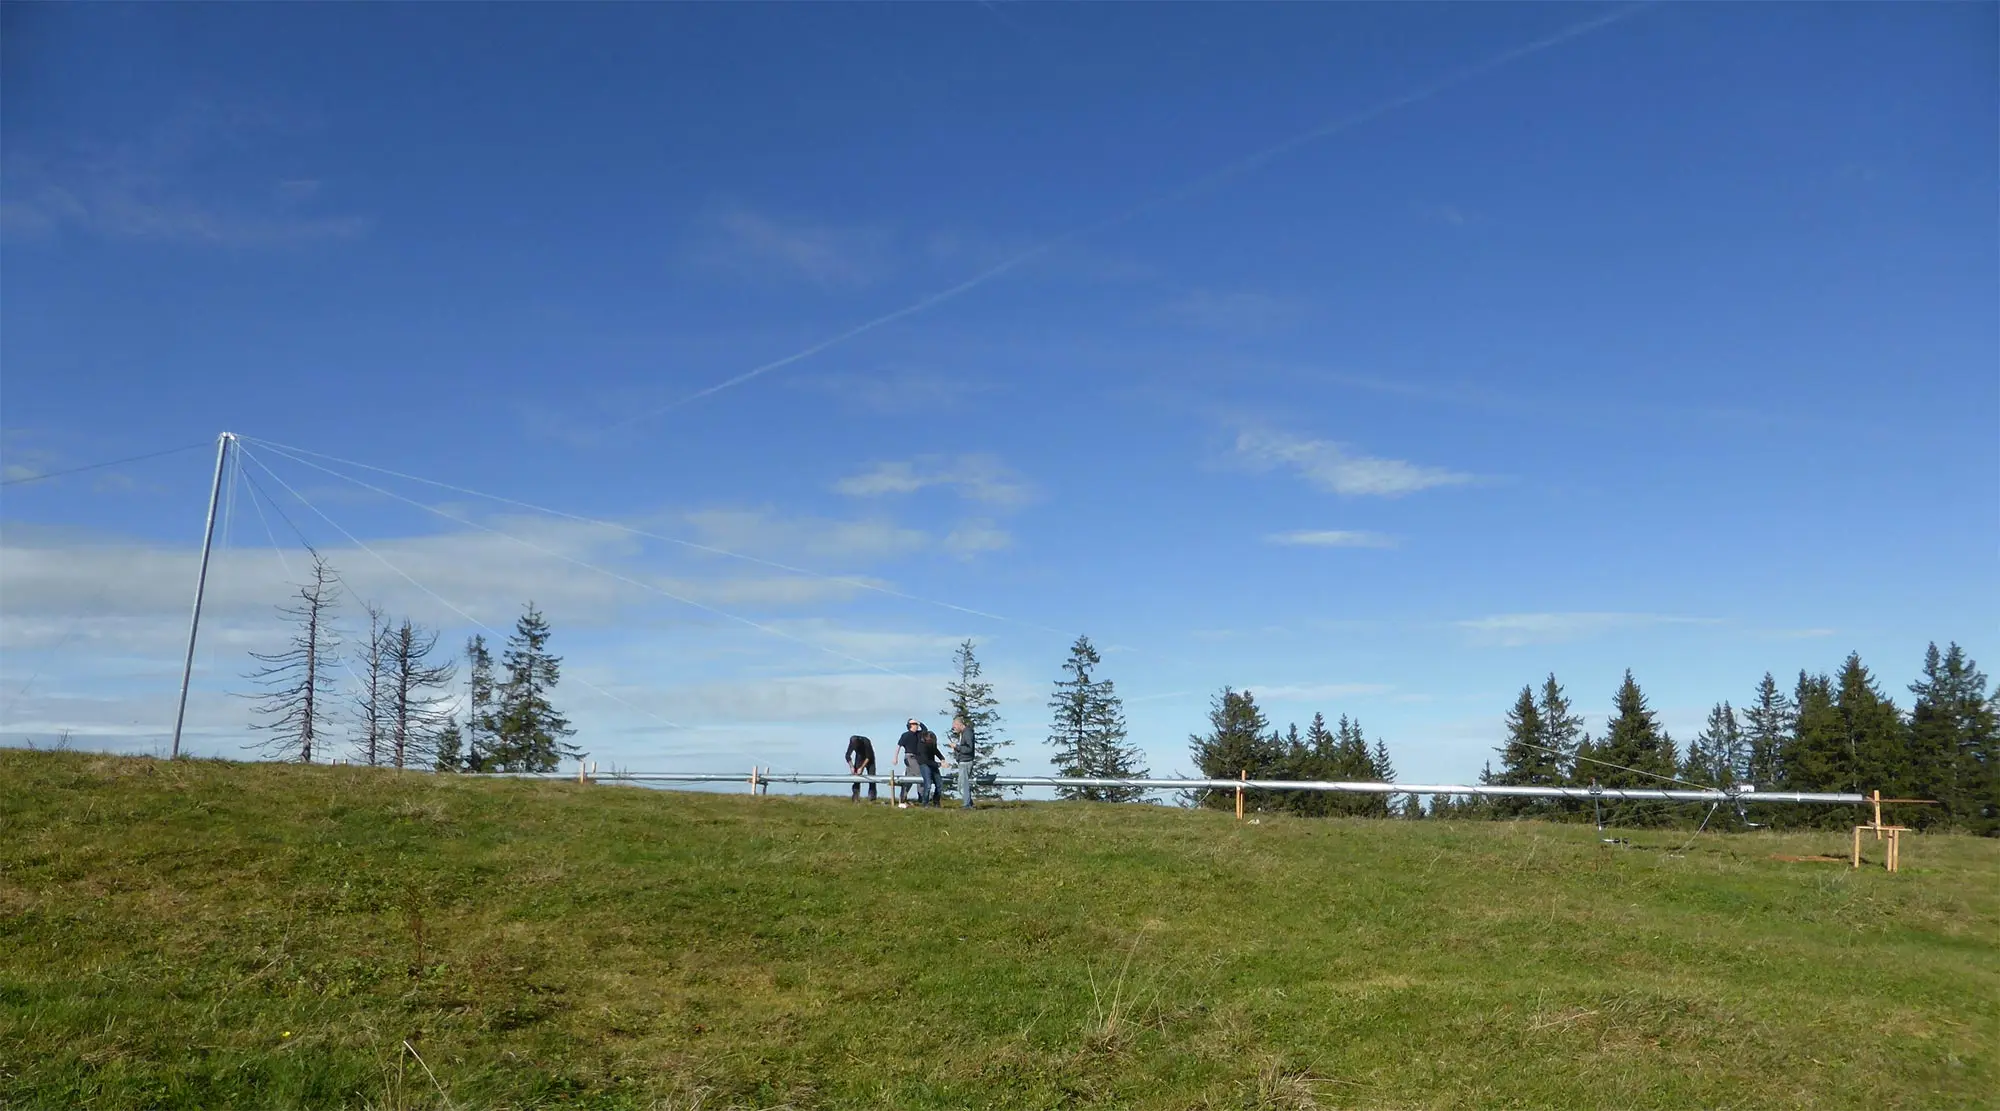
<point>1245,165</point>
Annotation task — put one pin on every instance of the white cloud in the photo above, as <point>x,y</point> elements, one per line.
<point>895,648</point>
<point>980,478</point>
<point>753,245</point>
<point>1331,538</point>
<point>91,634</point>
<point>1310,692</point>
<point>1513,630</point>
<point>971,538</point>
<point>1334,467</point>
<point>760,532</point>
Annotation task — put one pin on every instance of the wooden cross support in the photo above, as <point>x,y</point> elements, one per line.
<point>1892,858</point>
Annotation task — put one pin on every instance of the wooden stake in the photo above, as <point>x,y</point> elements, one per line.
<point>1857,846</point>
<point>1239,793</point>
<point>579,770</point>
<point>1876,796</point>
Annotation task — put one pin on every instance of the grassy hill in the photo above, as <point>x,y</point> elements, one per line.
<point>224,935</point>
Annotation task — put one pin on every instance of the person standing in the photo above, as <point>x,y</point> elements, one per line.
<point>933,779</point>
<point>963,749</point>
<point>861,761</point>
<point>910,748</point>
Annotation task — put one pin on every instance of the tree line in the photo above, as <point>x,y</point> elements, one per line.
<point>1830,733</point>
<point>1834,733</point>
<point>399,707</point>
<point>1241,742</point>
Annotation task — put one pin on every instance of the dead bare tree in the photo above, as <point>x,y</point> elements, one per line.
<point>298,682</point>
<point>371,714</point>
<point>417,693</point>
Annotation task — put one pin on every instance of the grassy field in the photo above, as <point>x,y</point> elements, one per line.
<point>223,935</point>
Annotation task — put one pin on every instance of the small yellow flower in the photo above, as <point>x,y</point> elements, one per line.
<point>288,1033</point>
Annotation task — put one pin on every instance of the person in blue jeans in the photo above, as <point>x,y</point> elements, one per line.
<point>861,761</point>
<point>910,746</point>
<point>964,751</point>
<point>933,779</point>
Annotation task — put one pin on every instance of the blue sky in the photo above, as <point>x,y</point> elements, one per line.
<point>1381,359</point>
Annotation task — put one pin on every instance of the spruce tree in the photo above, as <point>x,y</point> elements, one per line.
<point>1816,754</point>
<point>1087,731</point>
<point>448,754</point>
<point>1379,763</point>
<point>1313,756</point>
<point>1562,733</point>
<point>1562,728</point>
<point>1295,762</point>
<point>1955,739</point>
<point>297,703</point>
<point>1356,765</point>
<point>1585,766</point>
<point>1768,724</point>
<point>415,697</point>
<point>1933,742</point>
<point>971,700</point>
<point>1635,751</point>
<point>1525,758</point>
<point>1238,742</point>
<point>370,708</point>
<point>527,732</point>
<point>477,730</point>
<point>1716,753</point>
<point>1383,771</point>
<point>1877,742</point>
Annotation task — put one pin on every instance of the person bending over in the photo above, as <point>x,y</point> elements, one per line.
<point>861,761</point>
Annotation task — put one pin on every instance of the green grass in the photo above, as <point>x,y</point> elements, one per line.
<point>223,935</point>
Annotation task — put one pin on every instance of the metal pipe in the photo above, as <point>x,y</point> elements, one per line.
<point>200,584</point>
<point>1627,794</point>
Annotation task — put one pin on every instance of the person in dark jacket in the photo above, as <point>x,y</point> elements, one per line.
<point>910,748</point>
<point>964,751</point>
<point>933,778</point>
<point>861,761</point>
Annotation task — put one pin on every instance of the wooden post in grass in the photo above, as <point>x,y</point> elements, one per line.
<point>753,781</point>
<point>579,771</point>
<point>1241,776</point>
<point>1892,854</point>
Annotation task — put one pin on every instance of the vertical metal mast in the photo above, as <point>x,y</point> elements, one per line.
<point>201,583</point>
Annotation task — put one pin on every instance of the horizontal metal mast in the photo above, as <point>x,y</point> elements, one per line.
<point>1625,794</point>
